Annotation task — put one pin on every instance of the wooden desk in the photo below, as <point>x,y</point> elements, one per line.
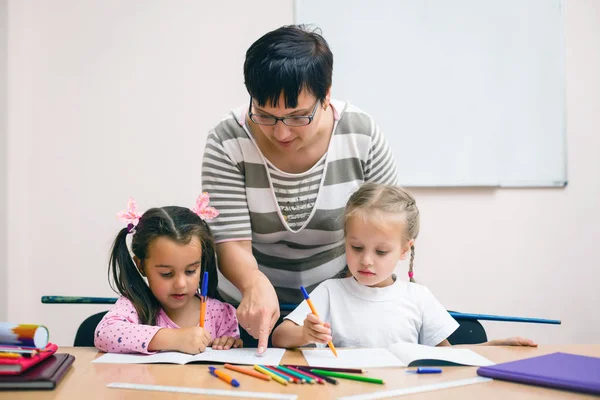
<point>88,381</point>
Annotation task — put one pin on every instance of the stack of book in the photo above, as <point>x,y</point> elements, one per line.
<point>28,360</point>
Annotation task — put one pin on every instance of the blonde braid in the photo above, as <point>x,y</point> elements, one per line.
<point>410,266</point>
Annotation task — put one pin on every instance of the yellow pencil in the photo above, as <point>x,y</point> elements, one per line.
<point>272,375</point>
<point>314,311</point>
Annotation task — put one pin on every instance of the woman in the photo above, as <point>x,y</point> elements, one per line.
<point>280,171</point>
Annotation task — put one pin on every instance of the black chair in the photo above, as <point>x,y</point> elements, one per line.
<point>85,334</point>
<point>470,331</point>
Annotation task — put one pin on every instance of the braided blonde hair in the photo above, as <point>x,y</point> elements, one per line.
<point>374,198</point>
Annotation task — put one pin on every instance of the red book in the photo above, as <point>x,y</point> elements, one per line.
<point>15,366</point>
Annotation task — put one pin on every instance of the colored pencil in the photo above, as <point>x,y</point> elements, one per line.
<point>314,311</point>
<point>279,374</point>
<point>203,298</point>
<point>275,377</point>
<point>334,369</point>
<point>308,374</point>
<point>282,374</point>
<point>248,371</point>
<point>325,378</point>
<point>296,374</point>
<point>348,376</point>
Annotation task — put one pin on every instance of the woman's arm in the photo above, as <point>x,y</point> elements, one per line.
<point>225,180</point>
<point>259,309</point>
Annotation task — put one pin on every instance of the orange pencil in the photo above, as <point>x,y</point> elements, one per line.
<point>314,311</point>
<point>202,312</point>
<point>203,298</point>
<point>248,371</point>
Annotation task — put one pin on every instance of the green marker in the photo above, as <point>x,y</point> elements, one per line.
<point>348,376</point>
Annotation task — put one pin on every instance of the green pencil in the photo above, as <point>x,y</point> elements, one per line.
<point>348,376</point>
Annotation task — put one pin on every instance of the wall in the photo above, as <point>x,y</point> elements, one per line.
<point>106,100</point>
<point>3,156</point>
<point>109,99</point>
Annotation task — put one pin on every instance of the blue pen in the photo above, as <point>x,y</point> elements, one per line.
<point>425,370</point>
<point>223,376</point>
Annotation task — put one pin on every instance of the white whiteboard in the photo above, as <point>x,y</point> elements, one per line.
<point>467,92</point>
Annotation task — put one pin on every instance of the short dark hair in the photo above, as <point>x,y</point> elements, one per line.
<point>288,59</point>
<point>176,223</point>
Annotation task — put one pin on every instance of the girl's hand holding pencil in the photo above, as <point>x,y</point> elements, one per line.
<point>315,330</point>
<point>193,340</point>
<point>314,311</point>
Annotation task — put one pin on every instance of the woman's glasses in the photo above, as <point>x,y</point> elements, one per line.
<point>289,121</point>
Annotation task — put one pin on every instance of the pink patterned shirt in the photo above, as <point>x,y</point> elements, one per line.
<point>121,332</point>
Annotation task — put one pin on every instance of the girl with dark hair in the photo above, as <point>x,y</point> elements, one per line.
<point>172,248</point>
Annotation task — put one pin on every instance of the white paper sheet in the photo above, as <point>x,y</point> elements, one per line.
<point>234,356</point>
<point>409,352</point>
<point>398,355</point>
<point>351,358</point>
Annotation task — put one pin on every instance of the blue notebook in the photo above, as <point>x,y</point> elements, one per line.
<point>557,370</point>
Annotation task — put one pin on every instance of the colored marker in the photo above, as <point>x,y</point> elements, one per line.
<point>203,298</point>
<point>425,370</point>
<point>314,311</point>
<point>223,376</point>
<point>275,377</point>
<point>248,371</point>
<point>347,376</point>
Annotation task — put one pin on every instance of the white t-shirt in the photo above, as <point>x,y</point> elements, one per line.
<point>362,316</point>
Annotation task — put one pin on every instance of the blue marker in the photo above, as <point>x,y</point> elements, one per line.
<point>425,370</point>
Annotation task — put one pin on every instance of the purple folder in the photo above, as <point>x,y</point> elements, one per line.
<point>557,370</point>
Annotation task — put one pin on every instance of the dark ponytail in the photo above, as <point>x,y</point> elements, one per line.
<point>127,281</point>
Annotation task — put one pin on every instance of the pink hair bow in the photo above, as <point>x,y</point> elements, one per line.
<point>130,216</point>
<point>202,209</point>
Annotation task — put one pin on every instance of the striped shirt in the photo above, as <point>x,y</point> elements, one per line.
<point>296,196</point>
<point>295,221</point>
